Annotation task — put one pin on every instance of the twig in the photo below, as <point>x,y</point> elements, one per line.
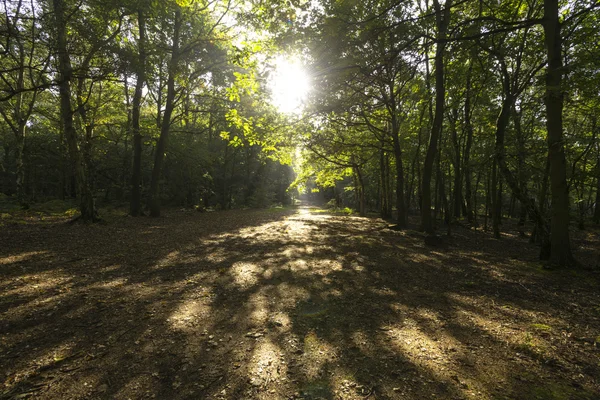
<point>524,287</point>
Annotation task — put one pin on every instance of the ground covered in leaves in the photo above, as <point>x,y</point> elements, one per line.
<point>282,304</point>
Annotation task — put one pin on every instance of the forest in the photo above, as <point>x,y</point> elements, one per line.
<point>325,199</point>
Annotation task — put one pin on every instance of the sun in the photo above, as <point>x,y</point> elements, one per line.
<point>289,85</point>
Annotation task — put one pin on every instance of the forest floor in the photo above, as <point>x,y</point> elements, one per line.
<point>289,304</point>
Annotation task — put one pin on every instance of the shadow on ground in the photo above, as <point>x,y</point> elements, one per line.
<point>287,304</point>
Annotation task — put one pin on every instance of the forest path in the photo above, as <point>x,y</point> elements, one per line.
<point>280,304</point>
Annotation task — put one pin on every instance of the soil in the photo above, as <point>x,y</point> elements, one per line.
<point>290,304</point>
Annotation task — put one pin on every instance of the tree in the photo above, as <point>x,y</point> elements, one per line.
<point>24,75</point>
<point>87,205</point>
<point>442,17</point>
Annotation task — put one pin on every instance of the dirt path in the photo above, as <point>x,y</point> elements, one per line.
<point>288,304</point>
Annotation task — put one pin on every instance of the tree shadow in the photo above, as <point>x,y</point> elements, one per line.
<point>284,305</point>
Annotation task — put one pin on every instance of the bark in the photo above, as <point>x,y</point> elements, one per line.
<point>87,205</point>
<point>135,206</point>
<point>560,241</point>
<point>161,146</point>
<point>442,20</point>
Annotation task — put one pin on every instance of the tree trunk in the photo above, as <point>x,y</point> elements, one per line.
<point>596,217</point>
<point>87,205</point>
<point>135,206</point>
<point>384,188</point>
<point>362,202</point>
<point>415,170</point>
<point>597,208</point>
<point>402,218</point>
<point>521,170</point>
<point>488,190</point>
<point>560,241</point>
<point>494,200</point>
<point>458,197</point>
<point>469,144</point>
<point>513,183</point>
<point>442,20</point>
<point>161,146</point>
<point>20,168</point>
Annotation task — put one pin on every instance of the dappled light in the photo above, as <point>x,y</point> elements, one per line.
<point>313,304</point>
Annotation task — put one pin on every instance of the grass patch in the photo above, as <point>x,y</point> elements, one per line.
<point>335,210</point>
<point>55,206</point>
<point>541,327</point>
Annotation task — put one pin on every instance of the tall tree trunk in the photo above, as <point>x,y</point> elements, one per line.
<point>488,191</point>
<point>475,204</point>
<point>362,200</point>
<point>161,146</point>
<point>458,197</point>
<point>447,211</point>
<point>86,122</point>
<point>596,217</point>
<point>469,144</point>
<point>597,208</point>
<point>135,206</point>
<point>513,183</point>
<point>388,177</point>
<point>402,218</point>
<point>560,241</point>
<point>383,195</point>
<point>521,170</point>
<point>496,208</point>
<point>415,172</point>
<point>62,181</point>
<point>20,168</point>
<point>87,205</point>
<point>442,20</point>
<point>536,236</point>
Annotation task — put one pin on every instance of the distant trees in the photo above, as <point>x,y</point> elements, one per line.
<point>131,101</point>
